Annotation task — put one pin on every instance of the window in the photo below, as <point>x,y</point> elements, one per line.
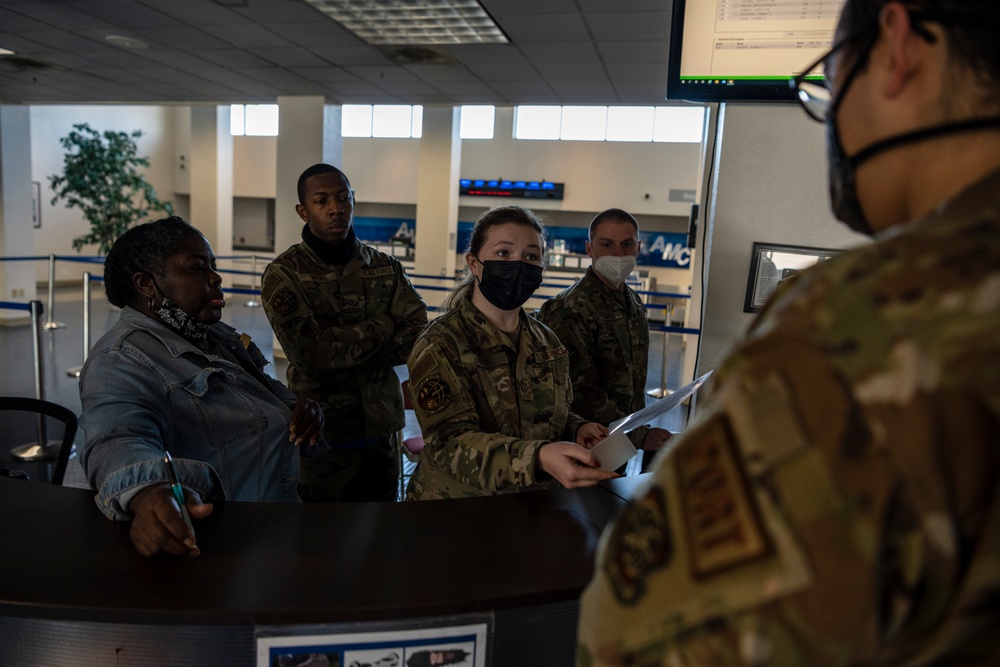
<point>630,123</point>
<point>681,125</point>
<point>381,120</point>
<point>537,122</point>
<point>675,124</point>
<point>477,122</point>
<point>259,120</point>
<point>584,123</point>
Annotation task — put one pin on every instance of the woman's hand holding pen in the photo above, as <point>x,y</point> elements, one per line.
<point>307,422</point>
<point>159,527</point>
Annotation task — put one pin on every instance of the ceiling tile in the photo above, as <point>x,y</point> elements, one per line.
<point>573,72</point>
<point>436,73</point>
<point>352,55</point>
<point>274,75</point>
<point>197,12</point>
<point>523,28</point>
<point>248,36</point>
<point>325,74</point>
<point>380,75</point>
<point>294,57</point>
<point>637,71</point>
<point>124,13</point>
<point>231,58</point>
<point>506,7</point>
<point>633,52</point>
<point>321,31</point>
<point>182,37</point>
<point>605,26</point>
<point>561,52</point>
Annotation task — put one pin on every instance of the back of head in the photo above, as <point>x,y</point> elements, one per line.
<point>145,247</point>
<point>500,215</point>
<point>316,170</point>
<point>615,215</point>
<point>970,27</point>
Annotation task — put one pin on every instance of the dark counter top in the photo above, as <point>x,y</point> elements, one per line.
<point>275,564</point>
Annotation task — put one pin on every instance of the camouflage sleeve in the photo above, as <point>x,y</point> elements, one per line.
<point>442,393</point>
<point>409,312</point>
<point>576,331</point>
<point>573,424</point>
<point>309,343</point>
<point>782,529</point>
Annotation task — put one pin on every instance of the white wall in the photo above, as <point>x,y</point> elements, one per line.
<point>49,124</point>
<point>769,185</point>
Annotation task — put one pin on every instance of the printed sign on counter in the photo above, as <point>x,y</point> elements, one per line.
<point>461,646</point>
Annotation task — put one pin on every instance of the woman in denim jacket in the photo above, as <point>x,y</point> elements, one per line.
<point>169,376</point>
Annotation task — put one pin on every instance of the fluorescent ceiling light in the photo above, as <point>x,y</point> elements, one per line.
<point>387,22</point>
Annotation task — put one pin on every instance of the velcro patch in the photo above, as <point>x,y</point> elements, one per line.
<point>285,301</point>
<point>550,353</point>
<point>640,543</point>
<point>375,273</point>
<point>723,527</point>
<point>434,395</point>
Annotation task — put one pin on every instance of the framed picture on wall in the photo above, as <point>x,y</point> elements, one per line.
<point>770,263</point>
<point>36,204</point>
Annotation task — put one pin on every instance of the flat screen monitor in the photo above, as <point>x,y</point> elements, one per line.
<point>731,50</point>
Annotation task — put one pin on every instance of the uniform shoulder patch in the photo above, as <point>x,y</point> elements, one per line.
<point>640,543</point>
<point>723,526</point>
<point>285,301</point>
<point>434,395</point>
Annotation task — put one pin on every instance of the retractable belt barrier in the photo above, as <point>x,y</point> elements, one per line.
<point>666,329</point>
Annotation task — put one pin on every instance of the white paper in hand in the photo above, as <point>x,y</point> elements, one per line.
<point>660,407</point>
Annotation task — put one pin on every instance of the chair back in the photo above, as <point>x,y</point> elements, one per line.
<point>44,409</point>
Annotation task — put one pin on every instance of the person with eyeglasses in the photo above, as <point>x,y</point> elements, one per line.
<point>836,500</point>
<point>345,315</point>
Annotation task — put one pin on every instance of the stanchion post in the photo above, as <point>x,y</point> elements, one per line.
<point>42,449</point>
<point>50,323</point>
<point>662,392</point>
<point>253,282</point>
<point>75,371</point>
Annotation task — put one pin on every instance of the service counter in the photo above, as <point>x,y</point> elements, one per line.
<point>73,590</point>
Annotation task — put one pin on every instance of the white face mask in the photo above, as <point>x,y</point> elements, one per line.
<point>615,269</point>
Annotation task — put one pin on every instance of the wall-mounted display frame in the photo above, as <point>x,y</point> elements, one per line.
<point>770,263</point>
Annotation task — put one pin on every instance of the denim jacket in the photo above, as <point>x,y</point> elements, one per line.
<point>144,389</point>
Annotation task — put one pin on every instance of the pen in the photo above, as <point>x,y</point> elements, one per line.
<point>178,491</point>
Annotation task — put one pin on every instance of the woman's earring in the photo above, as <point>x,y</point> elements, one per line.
<point>150,304</point>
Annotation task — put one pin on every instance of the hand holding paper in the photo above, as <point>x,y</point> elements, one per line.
<point>616,449</point>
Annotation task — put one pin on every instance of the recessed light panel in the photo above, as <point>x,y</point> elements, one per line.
<point>385,22</point>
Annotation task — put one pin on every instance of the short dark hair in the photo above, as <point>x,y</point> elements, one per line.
<point>611,215</point>
<point>145,247</point>
<point>316,170</point>
<point>970,26</point>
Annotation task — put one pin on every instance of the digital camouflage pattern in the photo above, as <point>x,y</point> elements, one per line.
<point>485,407</point>
<point>343,329</point>
<point>836,500</point>
<point>607,335</point>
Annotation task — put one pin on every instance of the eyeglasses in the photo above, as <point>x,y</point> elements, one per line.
<point>816,96</point>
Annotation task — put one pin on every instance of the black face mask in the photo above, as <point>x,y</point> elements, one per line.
<point>507,285</point>
<point>842,172</point>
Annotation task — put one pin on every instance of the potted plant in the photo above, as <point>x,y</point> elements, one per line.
<point>101,178</point>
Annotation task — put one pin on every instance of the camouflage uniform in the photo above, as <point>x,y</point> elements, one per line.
<point>607,335</point>
<point>343,328</point>
<point>484,407</point>
<point>836,501</point>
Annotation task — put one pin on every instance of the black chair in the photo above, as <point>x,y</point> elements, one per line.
<point>42,449</point>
